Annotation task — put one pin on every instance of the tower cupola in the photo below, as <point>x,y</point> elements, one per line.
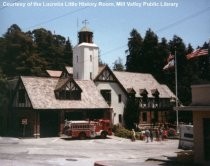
<point>85,34</point>
<point>85,55</point>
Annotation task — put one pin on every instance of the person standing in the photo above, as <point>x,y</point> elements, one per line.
<point>151,135</point>
<point>147,133</point>
<point>133,135</point>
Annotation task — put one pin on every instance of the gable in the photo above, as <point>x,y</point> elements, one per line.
<point>67,89</point>
<point>21,99</point>
<point>67,72</point>
<point>106,75</point>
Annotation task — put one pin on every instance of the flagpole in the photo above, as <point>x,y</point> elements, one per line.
<point>177,113</point>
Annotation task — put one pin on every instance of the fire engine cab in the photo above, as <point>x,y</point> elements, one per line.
<point>87,129</point>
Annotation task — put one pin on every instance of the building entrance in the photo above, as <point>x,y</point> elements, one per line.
<point>49,124</point>
<point>206,132</point>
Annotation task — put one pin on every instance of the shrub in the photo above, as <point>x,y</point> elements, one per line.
<point>122,132</point>
<point>171,132</point>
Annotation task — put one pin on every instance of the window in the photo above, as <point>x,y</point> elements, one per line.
<point>120,118</point>
<point>106,95</point>
<point>119,98</point>
<point>144,99</point>
<point>21,96</point>
<point>91,58</point>
<point>70,95</point>
<point>144,116</point>
<point>91,77</point>
<point>188,135</point>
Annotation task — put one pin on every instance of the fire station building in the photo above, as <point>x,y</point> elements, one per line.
<point>87,91</point>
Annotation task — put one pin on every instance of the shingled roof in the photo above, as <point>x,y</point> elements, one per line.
<point>139,81</point>
<point>54,73</point>
<point>40,91</point>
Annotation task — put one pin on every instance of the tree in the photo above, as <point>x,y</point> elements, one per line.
<point>54,49</point>
<point>33,52</point>
<point>4,101</point>
<point>161,60</point>
<point>4,91</point>
<point>131,112</point>
<point>118,65</point>
<point>134,51</point>
<point>149,56</point>
<point>68,53</point>
<point>184,91</point>
<point>204,66</point>
<point>17,48</point>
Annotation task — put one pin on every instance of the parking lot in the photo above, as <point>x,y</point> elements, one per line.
<point>61,152</point>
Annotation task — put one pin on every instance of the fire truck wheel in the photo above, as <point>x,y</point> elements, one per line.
<point>82,135</point>
<point>103,134</point>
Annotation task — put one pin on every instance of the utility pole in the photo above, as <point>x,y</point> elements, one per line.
<point>176,85</point>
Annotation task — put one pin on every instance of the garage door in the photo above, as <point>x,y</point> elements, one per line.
<point>49,124</point>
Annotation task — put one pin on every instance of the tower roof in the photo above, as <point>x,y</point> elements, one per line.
<point>85,29</point>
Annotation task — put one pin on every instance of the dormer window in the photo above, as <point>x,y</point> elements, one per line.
<point>156,94</point>
<point>69,95</point>
<point>67,89</point>
<point>144,99</point>
<point>131,92</point>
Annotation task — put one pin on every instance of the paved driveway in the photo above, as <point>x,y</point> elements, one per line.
<point>60,152</point>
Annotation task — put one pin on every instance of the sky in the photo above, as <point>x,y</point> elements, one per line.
<point>111,25</point>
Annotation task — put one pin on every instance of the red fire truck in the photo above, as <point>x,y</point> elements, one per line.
<point>87,129</point>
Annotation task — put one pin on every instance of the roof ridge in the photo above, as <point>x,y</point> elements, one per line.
<point>132,72</point>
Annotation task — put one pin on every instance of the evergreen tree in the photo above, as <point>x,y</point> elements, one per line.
<point>134,51</point>
<point>68,53</point>
<point>131,112</point>
<point>4,91</point>
<point>162,54</point>
<point>118,65</point>
<point>149,59</point>
<point>203,63</point>
<point>183,80</point>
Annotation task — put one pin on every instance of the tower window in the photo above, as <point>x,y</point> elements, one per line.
<point>91,58</point>
<point>119,98</point>
<point>91,75</point>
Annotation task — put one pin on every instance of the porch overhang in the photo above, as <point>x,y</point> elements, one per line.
<point>192,108</point>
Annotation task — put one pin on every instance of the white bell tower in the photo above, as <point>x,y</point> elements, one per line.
<point>85,56</point>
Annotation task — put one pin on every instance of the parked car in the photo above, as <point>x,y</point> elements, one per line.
<point>186,137</point>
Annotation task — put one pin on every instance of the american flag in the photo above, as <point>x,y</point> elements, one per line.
<point>197,53</point>
<point>170,57</point>
<point>170,62</point>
